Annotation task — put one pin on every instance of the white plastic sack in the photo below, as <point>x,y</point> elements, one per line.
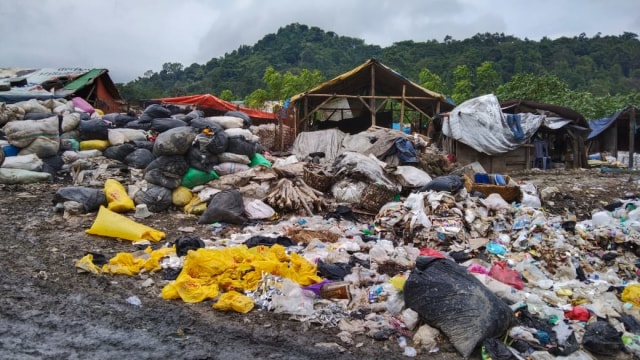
<point>41,146</point>
<point>228,122</point>
<point>120,136</point>
<point>415,202</point>
<point>285,161</point>
<point>228,168</point>
<point>25,162</point>
<point>70,121</point>
<point>33,106</point>
<point>234,158</point>
<point>348,191</point>
<point>19,176</point>
<point>495,202</point>
<point>531,201</point>
<point>411,176</point>
<point>256,209</point>
<point>245,133</point>
<point>22,133</point>
<point>328,142</point>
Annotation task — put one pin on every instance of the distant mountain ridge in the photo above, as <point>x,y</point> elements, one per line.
<point>600,65</point>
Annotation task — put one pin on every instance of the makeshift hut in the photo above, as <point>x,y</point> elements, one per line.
<point>616,134</point>
<point>371,94</point>
<point>514,135</point>
<point>93,85</point>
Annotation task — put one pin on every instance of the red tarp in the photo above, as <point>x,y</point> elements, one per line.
<point>210,101</point>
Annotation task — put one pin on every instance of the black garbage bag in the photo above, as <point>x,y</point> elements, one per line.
<point>94,129</point>
<point>139,158</point>
<point>157,198</point>
<point>202,160</point>
<point>497,350</point>
<point>185,243</point>
<point>91,199</point>
<point>176,141</point>
<point>225,206</point>
<point>163,124</point>
<point>631,324</point>
<point>52,164</point>
<point>136,124</point>
<point>119,119</point>
<point>341,213</point>
<point>335,271</point>
<point>602,338</point>
<point>118,152</point>
<point>239,145</point>
<point>154,111</point>
<point>450,183</point>
<point>246,120</point>
<point>202,123</point>
<point>143,144</point>
<point>449,298</point>
<point>268,241</point>
<point>214,141</point>
<point>570,346</point>
<point>166,171</point>
<point>194,115</point>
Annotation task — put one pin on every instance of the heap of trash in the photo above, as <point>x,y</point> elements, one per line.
<point>375,234</point>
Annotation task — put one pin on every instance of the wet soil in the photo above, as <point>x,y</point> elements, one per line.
<point>48,310</point>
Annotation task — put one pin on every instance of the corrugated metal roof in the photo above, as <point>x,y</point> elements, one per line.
<point>39,76</point>
<point>84,79</point>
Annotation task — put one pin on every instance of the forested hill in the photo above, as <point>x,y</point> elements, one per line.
<point>599,65</point>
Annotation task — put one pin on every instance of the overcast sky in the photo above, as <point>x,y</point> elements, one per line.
<point>129,37</point>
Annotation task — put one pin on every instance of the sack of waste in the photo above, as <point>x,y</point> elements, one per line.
<point>452,300</point>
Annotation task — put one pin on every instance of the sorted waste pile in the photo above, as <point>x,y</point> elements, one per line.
<point>353,232</point>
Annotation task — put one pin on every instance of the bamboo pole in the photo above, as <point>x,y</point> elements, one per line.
<point>373,94</point>
<point>404,89</point>
<point>632,123</point>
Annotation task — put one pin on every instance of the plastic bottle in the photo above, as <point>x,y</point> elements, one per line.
<point>534,275</point>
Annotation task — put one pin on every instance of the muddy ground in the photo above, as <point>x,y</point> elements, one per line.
<point>48,310</point>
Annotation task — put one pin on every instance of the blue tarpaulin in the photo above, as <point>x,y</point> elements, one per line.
<point>600,125</point>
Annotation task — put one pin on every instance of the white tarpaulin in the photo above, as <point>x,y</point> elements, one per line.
<point>481,124</point>
<point>326,141</point>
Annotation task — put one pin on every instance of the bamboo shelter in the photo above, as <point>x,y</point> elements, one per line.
<point>371,94</point>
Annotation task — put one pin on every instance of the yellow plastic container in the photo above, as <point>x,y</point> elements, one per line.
<point>94,145</point>
<point>112,224</point>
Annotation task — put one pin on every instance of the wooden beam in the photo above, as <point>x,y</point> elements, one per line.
<point>314,109</point>
<point>381,105</point>
<point>418,110</point>
<point>365,104</point>
<point>377,97</point>
<point>404,89</point>
<point>373,94</point>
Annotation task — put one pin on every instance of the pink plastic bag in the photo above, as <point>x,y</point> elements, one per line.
<point>83,105</point>
<point>501,272</point>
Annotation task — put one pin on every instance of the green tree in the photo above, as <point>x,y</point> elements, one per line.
<point>226,94</point>
<point>256,99</point>
<point>487,78</point>
<point>431,81</point>
<point>462,84</point>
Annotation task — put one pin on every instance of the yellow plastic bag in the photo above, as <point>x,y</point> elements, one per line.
<point>117,198</point>
<point>235,301</point>
<point>631,294</point>
<point>195,290</point>
<point>99,112</point>
<point>153,263</point>
<point>181,196</point>
<point>195,206</point>
<point>169,292</point>
<point>124,264</point>
<point>86,264</point>
<point>111,224</point>
<point>101,145</point>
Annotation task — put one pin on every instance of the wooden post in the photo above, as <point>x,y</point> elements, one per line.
<point>373,96</point>
<point>632,123</point>
<point>404,88</point>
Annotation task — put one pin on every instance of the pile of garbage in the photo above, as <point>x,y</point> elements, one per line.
<point>354,232</point>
